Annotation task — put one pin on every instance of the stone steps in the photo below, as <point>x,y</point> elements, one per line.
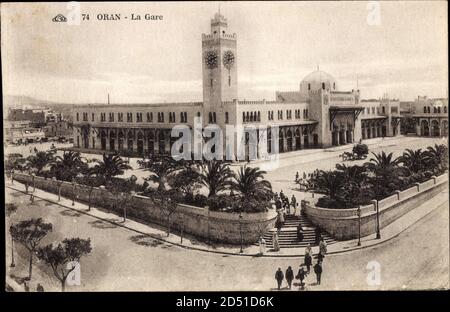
<point>288,234</point>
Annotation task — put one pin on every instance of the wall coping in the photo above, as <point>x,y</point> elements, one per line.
<point>232,216</point>
<point>368,210</point>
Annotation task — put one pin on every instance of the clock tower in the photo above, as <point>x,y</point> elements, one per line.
<point>219,70</point>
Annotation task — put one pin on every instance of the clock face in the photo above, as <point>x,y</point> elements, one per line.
<point>228,59</point>
<point>211,59</point>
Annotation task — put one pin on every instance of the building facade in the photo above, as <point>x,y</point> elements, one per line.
<point>431,116</point>
<point>318,114</point>
<point>20,132</point>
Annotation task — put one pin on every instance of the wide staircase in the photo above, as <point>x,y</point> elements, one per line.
<point>288,234</point>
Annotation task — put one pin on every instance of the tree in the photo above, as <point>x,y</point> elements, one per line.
<point>250,183</point>
<point>385,174</point>
<point>161,167</point>
<point>14,162</point>
<point>329,183</point>
<point>67,167</point>
<point>413,160</point>
<point>57,257</point>
<point>111,166</point>
<point>121,190</point>
<point>185,181</point>
<point>90,179</point>
<point>39,161</point>
<point>168,206</point>
<point>29,233</point>
<point>215,176</point>
<point>10,209</point>
<point>354,189</point>
<point>437,157</point>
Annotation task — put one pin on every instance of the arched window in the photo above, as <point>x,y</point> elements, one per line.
<point>323,85</point>
<point>210,117</point>
<point>226,117</point>
<point>259,116</point>
<point>214,117</point>
<point>425,109</point>
<point>243,116</point>
<point>334,85</point>
<point>309,86</point>
<point>445,109</point>
<point>251,116</point>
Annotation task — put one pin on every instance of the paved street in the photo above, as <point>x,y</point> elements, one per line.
<point>124,260</point>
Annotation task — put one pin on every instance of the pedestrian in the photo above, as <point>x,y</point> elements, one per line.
<point>278,223</point>
<point>318,235</point>
<point>297,176</point>
<point>278,203</point>
<point>294,204</point>
<point>281,215</point>
<point>289,276</point>
<point>300,232</point>
<point>322,249</point>
<point>276,245</point>
<point>318,271</point>
<point>308,258</point>
<point>39,288</point>
<point>301,275</point>
<point>287,206</point>
<point>279,276</point>
<point>262,245</point>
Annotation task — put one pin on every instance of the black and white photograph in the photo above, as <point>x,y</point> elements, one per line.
<point>225,146</point>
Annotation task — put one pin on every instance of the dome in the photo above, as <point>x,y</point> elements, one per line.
<point>318,80</point>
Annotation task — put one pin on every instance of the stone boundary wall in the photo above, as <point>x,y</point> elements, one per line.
<point>343,224</point>
<point>201,222</point>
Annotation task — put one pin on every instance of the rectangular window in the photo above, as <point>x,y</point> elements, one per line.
<point>78,117</point>
<point>93,117</point>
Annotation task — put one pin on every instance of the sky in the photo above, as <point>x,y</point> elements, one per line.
<point>405,54</point>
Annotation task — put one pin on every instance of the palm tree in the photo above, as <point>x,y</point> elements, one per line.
<point>161,167</point>
<point>355,173</point>
<point>437,157</point>
<point>386,174</point>
<point>413,160</point>
<point>39,161</point>
<point>250,183</point>
<point>111,165</point>
<point>66,168</point>
<point>382,161</point>
<point>328,183</point>
<point>215,176</point>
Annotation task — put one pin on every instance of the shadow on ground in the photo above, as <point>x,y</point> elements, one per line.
<point>70,213</point>
<point>104,224</point>
<point>145,240</point>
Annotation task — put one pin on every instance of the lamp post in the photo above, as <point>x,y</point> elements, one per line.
<point>240,231</point>
<point>359,225</point>
<point>378,221</point>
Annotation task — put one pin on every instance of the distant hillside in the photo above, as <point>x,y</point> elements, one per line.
<point>15,101</point>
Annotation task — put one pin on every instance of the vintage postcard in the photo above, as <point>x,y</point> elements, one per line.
<point>225,146</point>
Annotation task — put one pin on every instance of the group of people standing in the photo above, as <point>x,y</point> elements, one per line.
<point>282,203</point>
<point>305,268</point>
